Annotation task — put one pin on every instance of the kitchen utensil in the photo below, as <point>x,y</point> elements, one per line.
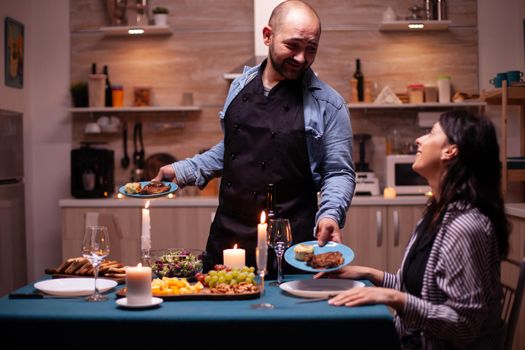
<point>141,151</point>
<point>136,154</point>
<point>124,162</point>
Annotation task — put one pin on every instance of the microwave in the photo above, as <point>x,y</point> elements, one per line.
<point>401,176</point>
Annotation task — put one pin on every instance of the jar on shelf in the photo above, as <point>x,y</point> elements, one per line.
<point>117,93</point>
<point>416,93</point>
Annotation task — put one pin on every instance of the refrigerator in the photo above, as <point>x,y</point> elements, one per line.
<point>13,256</point>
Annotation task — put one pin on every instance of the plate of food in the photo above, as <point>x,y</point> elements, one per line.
<point>319,288</point>
<point>148,189</point>
<point>309,256</point>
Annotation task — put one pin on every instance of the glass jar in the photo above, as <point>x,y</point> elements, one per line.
<point>416,93</point>
<point>117,94</point>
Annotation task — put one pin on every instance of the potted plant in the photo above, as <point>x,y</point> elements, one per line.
<point>160,16</point>
<point>79,94</point>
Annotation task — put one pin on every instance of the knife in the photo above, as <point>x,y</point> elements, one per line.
<point>37,296</point>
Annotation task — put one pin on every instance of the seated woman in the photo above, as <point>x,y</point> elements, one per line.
<point>447,292</point>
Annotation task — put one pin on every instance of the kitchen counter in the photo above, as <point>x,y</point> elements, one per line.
<point>515,209</point>
<point>213,201</point>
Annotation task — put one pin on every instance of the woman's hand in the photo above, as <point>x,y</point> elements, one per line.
<point>355,273</point>
<point>370,296</point>
<point>165,172</point>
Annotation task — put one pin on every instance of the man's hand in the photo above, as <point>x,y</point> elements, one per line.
<point>165,172</point>
<point>328,230</point>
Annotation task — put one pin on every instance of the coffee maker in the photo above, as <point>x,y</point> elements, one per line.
<point>92,172</point>
<point>366,181</point>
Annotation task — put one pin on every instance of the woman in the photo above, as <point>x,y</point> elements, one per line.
<point>447,292</point>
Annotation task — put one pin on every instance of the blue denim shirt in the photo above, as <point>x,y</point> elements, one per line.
<point>328,139</point>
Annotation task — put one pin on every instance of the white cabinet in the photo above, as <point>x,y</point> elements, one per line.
<point>378,234</point>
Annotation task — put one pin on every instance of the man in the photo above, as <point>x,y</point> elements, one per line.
<point>282,126</point>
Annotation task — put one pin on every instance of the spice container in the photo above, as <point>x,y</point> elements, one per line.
<point>443,83</point>
<point>117,93</point>
<point>142,96</point>
<point>416,93</point>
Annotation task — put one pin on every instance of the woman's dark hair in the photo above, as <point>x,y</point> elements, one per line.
<point>474,176</point>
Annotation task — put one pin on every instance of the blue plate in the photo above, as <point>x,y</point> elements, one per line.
<point>348,255</point>
<point>173,188</point>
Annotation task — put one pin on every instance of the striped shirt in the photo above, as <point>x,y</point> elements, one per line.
<point>460,305</point>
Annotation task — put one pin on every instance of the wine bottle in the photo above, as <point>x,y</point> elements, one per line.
<point>358,75</point>
<point>93,68</point>
<point>109,97</point>
<point>270,202</point>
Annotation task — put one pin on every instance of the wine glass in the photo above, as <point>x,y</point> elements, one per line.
<point>95,247</point>
<point>279,238</point>
<point>261,255</point>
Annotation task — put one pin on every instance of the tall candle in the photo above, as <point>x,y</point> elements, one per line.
<point>234,257</point>
<point>261,232</point>
<point>138,285</point>
<point>146,226</point>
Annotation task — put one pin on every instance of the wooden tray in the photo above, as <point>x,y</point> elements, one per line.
<point>205,294</point>
<point>119,280</point>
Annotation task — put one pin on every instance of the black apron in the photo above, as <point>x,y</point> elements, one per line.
<point>264,143</point>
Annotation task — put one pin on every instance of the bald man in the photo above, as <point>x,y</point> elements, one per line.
<point>282,126</point>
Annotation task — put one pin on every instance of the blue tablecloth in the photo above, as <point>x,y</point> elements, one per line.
<point>366,327</point>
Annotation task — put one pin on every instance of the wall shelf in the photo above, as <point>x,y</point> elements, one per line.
<point>413,25</point>
<point>416,105</point>
<point>136,109</point>
<point>124,30</point>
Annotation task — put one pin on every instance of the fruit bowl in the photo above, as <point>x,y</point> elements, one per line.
<point>177,262</point>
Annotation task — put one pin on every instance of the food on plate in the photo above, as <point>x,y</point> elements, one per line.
<point>228,276</point>
<point>303,252</point>
<point>326,260</point>
<point>177,263</point>
<point>154,187</point>
<point>174,286</point>
<point>82,267</point>
<point>133,187</point>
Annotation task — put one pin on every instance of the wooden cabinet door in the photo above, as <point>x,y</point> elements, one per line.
<point>365,233</point>
<point>123,226</point>
<point>510,275</point>
<point>181,227</point>
<point>401,223</point>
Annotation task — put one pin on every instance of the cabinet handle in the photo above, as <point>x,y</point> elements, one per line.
<point>379,228</point>
<point>395,216</point>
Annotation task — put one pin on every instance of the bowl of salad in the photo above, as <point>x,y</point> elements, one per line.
<point>177,262</point>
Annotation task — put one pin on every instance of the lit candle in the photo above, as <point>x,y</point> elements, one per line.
<point>234,257</point>
<point>261,232</point>
<point>145,236</point>
<point>138,285</point>
<point>389,193</point>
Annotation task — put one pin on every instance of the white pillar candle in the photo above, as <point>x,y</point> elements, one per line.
<point>261,232</point>
<point>138,285</point>
<point>146,226</point>
<point>234,257</point>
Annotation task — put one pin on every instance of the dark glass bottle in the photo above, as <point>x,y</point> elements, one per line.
<point>358,75</point>
<point>270,202</point>
<point>93,68</point>
<point>109,97</point>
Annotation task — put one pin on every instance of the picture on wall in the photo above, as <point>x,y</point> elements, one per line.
<point>14,53</point>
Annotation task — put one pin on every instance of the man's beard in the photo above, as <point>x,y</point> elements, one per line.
<point>284,70</point>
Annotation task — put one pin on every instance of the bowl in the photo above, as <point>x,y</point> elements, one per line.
<point>177,262</point>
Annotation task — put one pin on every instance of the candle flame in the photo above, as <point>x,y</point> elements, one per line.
<point>235,246</point>
<point>147,205</point>
<point>263,217</point>
<point>139,265</point>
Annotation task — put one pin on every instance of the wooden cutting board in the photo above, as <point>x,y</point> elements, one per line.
<point>204,294</point>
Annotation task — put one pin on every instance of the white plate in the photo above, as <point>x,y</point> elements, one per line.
<point>74,287</point>
<point>319,288</point>
<point>124,303</point>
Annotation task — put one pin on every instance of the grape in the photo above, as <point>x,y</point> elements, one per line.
<point>229,276</point>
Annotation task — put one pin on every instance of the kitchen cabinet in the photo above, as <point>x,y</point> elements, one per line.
<point>171,227</point>
<point>378,234</point>
<point>146,30</point>
<point>510,275</point>
<point>505,96</point>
